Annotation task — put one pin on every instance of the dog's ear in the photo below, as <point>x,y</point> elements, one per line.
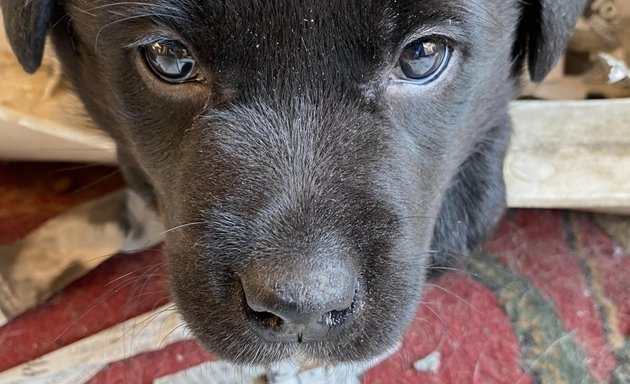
<point>26,23</point>
<point>543,33</point>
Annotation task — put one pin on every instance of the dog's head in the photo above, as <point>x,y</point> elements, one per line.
<point>314,158</point>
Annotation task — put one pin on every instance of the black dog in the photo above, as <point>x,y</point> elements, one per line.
<point>315,158</point>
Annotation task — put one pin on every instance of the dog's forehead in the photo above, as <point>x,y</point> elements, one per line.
<point>306,37</point>
<point>340,16</point>
<point>327,24</point>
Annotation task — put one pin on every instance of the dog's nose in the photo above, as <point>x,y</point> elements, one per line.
<point>300,303</point>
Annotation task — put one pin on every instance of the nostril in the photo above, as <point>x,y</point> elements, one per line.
<point>277,314</point>
<point>302,302</point>
<point>334,318</point>
<point>338,317</point>
<point>266,319</point>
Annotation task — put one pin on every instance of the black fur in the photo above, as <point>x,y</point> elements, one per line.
<point>298,154</point>
<point>27,24</point>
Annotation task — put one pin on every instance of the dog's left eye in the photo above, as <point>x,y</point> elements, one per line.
<point>423,61</point>
<point>171,61</point>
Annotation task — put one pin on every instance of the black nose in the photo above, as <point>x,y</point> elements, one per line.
<point>300,303</point>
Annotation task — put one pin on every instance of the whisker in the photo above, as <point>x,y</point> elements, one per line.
<point>124,282</point>
<point>140,16</point>
<point>82,167</point>
<point>428,306</point>
<point>97,181</point>
<point>150,319</point>
<point>151,272</point>
<point>180,227</point>
<point>141,5</point>
<point>105,256</point>
<point>468,303</point>
<point>182,325</point>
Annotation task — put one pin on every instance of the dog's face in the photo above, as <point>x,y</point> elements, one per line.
<point>314,158</point>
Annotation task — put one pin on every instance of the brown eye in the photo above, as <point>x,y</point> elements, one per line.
<point>424,60</point>
<point>171,62</point>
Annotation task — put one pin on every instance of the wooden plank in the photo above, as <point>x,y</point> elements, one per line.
<point>26,137</point>
<point>564,154</point>
<point>570,154</point>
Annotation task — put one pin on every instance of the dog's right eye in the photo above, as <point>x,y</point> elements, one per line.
<point>422,61</point>
<point>171,62</point>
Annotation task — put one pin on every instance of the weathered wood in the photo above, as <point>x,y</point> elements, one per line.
<point>570,154</point>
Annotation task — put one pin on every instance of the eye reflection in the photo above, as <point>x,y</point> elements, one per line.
<point>424,60</point>
<point>170,61</point>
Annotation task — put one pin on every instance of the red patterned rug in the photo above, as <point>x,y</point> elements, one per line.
<point>547,301</point>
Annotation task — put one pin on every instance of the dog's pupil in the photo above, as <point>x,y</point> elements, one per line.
<point>170,61</point>
<point>422,59</point>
